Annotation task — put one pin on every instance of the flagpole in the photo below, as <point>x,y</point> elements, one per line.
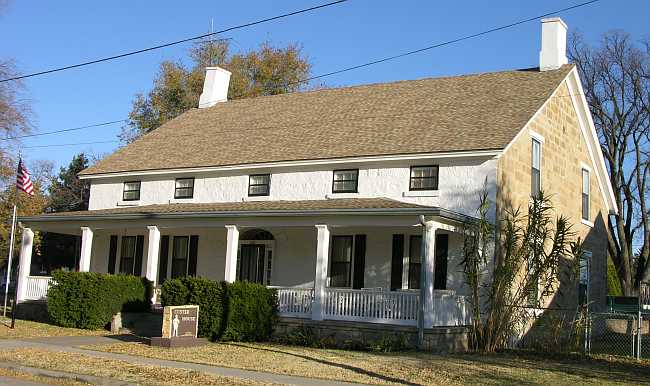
<point>11,253</point>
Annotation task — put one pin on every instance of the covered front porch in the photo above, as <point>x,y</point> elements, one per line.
<point>383,262</point>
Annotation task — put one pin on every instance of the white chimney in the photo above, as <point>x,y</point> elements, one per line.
<point>553,53</point>
<point>215,87</point>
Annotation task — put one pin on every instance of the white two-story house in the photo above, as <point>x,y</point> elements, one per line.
<point>351,200</point>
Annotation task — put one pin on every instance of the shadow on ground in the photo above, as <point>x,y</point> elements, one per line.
<point>355,369</point>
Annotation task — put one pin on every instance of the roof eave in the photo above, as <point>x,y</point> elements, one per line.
<point>433,211</point>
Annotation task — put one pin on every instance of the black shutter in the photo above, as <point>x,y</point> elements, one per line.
<point>359,261</point>
<point>163,258</point>
<point>397,262</point>
<point>194,246</point>
<point>112,254</point>
<point>442,247</point>
<point>137,262</point>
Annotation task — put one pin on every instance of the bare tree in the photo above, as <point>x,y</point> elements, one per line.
<point>616,81</point>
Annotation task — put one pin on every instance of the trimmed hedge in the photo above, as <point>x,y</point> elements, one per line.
<point>252,309</point>
<point>89,300</point>
<point>207,294</point>
<point>240,311</point>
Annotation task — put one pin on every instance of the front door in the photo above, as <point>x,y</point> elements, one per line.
<point>252,263</point>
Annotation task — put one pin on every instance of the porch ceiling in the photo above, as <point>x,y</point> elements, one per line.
<point>341,206</point>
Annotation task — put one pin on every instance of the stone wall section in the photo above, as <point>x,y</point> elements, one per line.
<point>564,151</point>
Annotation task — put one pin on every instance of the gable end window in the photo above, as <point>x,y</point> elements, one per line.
<point>424,178</point>
<point>259,184</point>
<point>536,169</point>
<point>131,191</point>
<point>184,188</point>
<point>585,194</point>
<point>345,181</point>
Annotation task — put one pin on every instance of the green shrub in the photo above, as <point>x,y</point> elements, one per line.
<point>89,300</point>
<point>207,294</point>
<point>241,311</point>
<point>613,283</point>
<point>173,292</point>
<point>252,310</point>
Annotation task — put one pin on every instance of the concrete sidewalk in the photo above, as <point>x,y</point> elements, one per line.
<point>67,344</point>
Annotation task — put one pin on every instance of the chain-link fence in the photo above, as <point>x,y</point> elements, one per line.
<point>554,330</point>
<point>613,334</point>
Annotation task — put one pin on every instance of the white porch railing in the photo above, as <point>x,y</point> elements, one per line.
<point>371,306</point>
<point>450,309</point>
<point>37,287</point>
<point>295,302</point>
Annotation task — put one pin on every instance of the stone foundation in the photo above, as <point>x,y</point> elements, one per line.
<point>356,334</point>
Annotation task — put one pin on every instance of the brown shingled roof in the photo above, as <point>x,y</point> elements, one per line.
<point>254,207</point>
<point>471,112</point>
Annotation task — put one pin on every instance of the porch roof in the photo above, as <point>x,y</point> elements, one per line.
<point>347,206</point>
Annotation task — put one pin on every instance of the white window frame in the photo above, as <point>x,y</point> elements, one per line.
<point>586,221</point>
<point>539,140</point>
<point>269,255</point>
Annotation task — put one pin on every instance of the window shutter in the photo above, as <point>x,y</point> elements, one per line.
<point>359,261</point>
<point>163,258</point>
<point>397,262</point>
<point>191,264</point>
<point>137,262</point>
<point>442,248</point>
<point>112,254</point>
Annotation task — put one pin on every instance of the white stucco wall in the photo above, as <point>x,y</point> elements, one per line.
<point>294,260</point>
<point>460,181</point>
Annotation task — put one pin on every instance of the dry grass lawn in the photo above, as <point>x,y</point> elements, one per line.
<point>115,369</point>
<point>10,373</point>
<point>29,329</point>
<point>402,368</point>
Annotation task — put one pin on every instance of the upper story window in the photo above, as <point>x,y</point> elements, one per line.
<point>131,191</point>
<point>184,188</point>
<point>585,194</point>
<point>259,184</point>
<point>345,181</point>
<point>424,178</point>
<point>536,168</point>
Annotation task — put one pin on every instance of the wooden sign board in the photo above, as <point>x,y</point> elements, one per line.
<point>180,321</point>
<point>179,328</point>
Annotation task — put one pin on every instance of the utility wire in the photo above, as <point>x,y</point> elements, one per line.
<point>64,130</point>
<point>368,63</point>
<point>446,43</point>
<point>70,144</point>
<point>310,123</point>
<point>108,58</point>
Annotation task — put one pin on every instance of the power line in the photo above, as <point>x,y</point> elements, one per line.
<point>375,61</point>
<point>448,42</point>
<point>105,59</point>
<point>310,123</point>
<point>70,144</point>
<point>64,130</point>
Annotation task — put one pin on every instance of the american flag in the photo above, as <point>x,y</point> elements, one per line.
<point>23,181</point>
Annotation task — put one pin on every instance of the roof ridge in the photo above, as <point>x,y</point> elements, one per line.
<point>376,84</point>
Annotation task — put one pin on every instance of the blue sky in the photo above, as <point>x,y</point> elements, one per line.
<point>43,34</point>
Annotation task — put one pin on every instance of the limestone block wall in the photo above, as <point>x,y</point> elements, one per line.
<point>564,154</point>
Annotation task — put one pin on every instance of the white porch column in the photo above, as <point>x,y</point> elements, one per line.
<point>232,244</point>
<point>320,280</point>
<point>86,248</point>
<point>25,263</point>
<point>427,273</point>
<point>153,247</point>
